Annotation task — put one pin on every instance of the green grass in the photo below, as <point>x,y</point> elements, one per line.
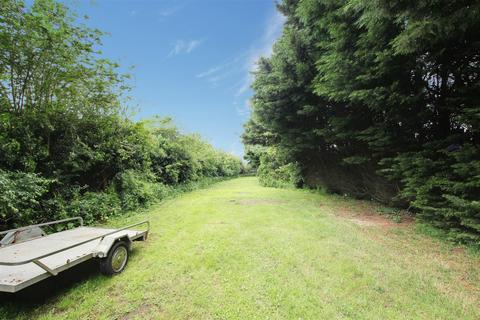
<point>237,250</point>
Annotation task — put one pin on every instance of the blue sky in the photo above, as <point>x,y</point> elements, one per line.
<point>192,58</point>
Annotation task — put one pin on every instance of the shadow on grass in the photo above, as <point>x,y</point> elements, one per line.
<point>47,290</point>
<point>51,289</point>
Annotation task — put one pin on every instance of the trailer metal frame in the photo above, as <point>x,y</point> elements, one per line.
<point>101,241</point>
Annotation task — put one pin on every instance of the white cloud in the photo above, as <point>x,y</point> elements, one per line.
<point>209,72</point>
<point>244,85</point>
<point>245,63</point>
<point>216,74</point>
<point>243,110</point>
<point>272,32</point>
<point>236,149</point>
<point>184,47</point>
<point>168,11</point>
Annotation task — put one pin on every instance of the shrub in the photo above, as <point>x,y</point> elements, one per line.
<point>94,206</point>
<point>20,197</point>
<point>73,130</point>
<point>443,187</point>
<point>276,171</point>
<point>136,189</point>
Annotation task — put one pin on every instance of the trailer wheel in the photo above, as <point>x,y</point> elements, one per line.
<point>116,259</point>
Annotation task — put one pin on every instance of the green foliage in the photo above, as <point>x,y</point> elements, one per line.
<point>378,100</point>
<point>279,254</point>
<point>49,59</point>
<point>94,206</point>
<point>253,153</point>
<point>66,147</point>
<point>444,187</point>
<point>276,171</point>
<point>137,190</point>
<point>178,158</point>
<point>20,196</point>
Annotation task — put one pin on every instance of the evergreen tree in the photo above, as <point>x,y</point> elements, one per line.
<point>379,99</point>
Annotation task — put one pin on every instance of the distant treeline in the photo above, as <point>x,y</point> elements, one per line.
<point>66,146</point>
<point>375,99</point>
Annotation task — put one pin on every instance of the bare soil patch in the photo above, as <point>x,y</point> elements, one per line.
<point>142,312</point>
<point>253,202</point>
<point>380,221</point>
<point>368,216</point>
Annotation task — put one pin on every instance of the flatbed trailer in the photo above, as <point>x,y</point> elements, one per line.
<point>42,256</point>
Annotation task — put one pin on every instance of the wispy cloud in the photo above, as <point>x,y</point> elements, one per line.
<point>244,84</point>
<point>244,64</point>
<point>273,30</point>
<point>243,109</point>
<point>217,73</point>
<point>166,12</point>
<point>184,47</point>
<point>209,72</point>
<point>236,149</point>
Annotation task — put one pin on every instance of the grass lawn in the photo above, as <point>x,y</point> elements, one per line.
<point>237,250</point>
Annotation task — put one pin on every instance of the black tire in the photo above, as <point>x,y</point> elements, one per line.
<point>116,260</point>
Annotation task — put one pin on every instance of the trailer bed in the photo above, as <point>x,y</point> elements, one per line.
<point>16,277</point>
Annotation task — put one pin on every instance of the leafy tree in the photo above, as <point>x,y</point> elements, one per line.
<point>377,99</point>
<point>66,146</point>
<point>20,195</point>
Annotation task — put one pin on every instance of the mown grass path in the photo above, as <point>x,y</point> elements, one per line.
<point>240,251</point>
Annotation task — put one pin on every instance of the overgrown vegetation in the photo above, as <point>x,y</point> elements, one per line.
<point>378,100</point>
<point>237,250</point>
<point>66,146</point>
